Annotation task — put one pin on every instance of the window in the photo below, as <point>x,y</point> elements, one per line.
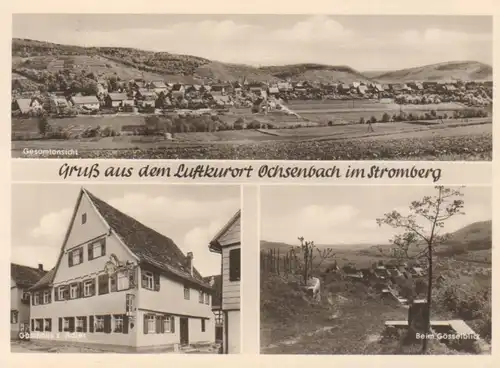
<point>148,280</point>
<point>151,320</point>
<point>62,292</point>
<point>26,295</point>
<point>234,265</point>
<point>80,324</point>
<point>66,324</point>
<point>186,293</point>
<point>202,325</point>
<point>200,296</point>
<point>75,257</point>
<point>14,316</point>
<point>97,249</point>
<point>46,297</point>
<point>99,324</point>
<point>73,291</point>
<point>123,280</point>
<point>38,324</point>
<point>36,299</point>
<point>207,298</point>
<point>48,324</point>
<point>103,284</point>
<point>117,323</point>
<point>88,288</point>
<point>84,218</point>
<point>166,324</point>
<point>129,307</point>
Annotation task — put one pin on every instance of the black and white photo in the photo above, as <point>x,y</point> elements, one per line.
<point>125,268</point>
<point>393,270</point>
<point>255,87</point>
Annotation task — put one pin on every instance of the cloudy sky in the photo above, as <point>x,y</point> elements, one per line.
<point>370,42</point>
<point>335,215</point>
<point>189,215</point>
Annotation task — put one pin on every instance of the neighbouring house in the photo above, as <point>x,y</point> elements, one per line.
<point>273,91</point>
<point>362,90</point>
<point>216,284</point>
<point>21,279</point>
<point>343,88</point>
<point>284,87</point>
<point>218,90</point>
<point>58,104</point>
<point>178,91</point>
<point>222,100</point>
<point>227,243</point>
<point>121,284</point>
<point>145,98</point>
<point>85,102</point>
<point>27,105</point>
<point>115,99</point>
<point>158,87</point>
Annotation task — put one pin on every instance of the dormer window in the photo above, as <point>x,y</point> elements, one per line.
<point>84,218</point>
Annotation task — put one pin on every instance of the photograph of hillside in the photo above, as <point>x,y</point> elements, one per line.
<point>376,270</point>
<point>290,87</point>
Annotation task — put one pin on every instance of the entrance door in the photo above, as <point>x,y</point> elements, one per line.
<point>184,331</point>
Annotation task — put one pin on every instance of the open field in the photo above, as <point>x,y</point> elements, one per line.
<point>453,140</point>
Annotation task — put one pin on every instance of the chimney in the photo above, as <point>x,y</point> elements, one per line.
<point>40,267</point>
<point>190,262</point>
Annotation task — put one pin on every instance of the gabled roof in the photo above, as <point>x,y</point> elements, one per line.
<point>214,245</point>
<point>149,246</point>
<point>24,104</point>
<point>46,280</point>
<point>118,96</point>
<point>85,99</point>
<point>25,276</point>
<point>217,290</point>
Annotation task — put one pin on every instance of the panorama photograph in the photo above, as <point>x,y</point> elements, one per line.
<point>254,87</point>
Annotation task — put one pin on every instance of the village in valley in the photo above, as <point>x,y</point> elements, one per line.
<point>116,290</point>
<point>115,102</point>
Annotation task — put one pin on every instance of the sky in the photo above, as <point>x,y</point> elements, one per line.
<point>364,42</point>
<point>336,215</point>
<point>190,215</point>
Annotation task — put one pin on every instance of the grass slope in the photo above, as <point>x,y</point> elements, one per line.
<point>463,70</point>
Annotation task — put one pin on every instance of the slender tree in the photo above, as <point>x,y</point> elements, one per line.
<point>422,225</point>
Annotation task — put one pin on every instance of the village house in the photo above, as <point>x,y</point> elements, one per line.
<point>273,91</point>
<point>120,284</point>
<point>178,91</point>
<point>58,104</point>
<point>158,87</point>
<point>115,99</point>
<point>227,243</point>
<point>218,90</point>
<point>28,105</point>
<point>85,102</point>
<point>21,279</point>
<point>145,98</point>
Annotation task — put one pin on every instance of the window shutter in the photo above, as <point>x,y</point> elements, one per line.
<point>158,324</point>
<point>144,280</point>
<point>60,324</point>
<point>103,247</point>
<point>80,250</point>
<point>103,284</point>
<point>113,282</point>
<point>93,287</point>
<point>56,294</point>
<point>91,323</point>
<point>125,324</point>
<point>156,281</point>
<point>32,325</point>
<point>107,323</point>
<point>84,324</point>
<point>70,259</point>
<point>172,324</point>
<point>80,290</point>
<point>90,252</point>
<point>72,324</point>
<point>234,265</point>
<point>33,299</point>
<point>50,295</point>
<point>145,324</point>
